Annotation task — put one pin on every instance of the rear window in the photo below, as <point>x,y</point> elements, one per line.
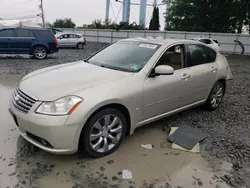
<point>24,33</point>
<point>216,41</point>
<point>45,34</point>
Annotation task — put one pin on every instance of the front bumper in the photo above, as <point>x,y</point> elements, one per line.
<point>62,138</point>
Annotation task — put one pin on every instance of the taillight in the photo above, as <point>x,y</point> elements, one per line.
<point>55,40</point>
<point>84,38</point>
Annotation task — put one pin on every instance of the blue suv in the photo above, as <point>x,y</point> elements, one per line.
<point>33,41</point>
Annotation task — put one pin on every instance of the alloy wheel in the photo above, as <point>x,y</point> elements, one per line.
<point>40,52</point>
<point>217,95</point>
<point>106,133</point>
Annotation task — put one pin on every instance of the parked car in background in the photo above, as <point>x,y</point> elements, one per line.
<point>33,41</point>
<point>71,40</point>
<point>92,105</point>
<point>213,43</point>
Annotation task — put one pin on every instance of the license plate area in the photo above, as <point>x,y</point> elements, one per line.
<point>14,117</point>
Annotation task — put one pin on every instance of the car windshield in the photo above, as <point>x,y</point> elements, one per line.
<point>125,56</point>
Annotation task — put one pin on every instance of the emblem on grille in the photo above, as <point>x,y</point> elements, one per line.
<point>16,97</point>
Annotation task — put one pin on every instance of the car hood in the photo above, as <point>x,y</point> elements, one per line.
<point>58,81</point>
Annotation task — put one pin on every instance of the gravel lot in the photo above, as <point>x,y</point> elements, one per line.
<point>25,64</point>
<point>228,127</point>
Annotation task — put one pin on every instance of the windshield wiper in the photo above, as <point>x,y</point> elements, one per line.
<point>116,68</point>
<point>86,61</point>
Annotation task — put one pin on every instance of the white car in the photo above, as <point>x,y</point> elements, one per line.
<point>213,43</point>
<point>70,40</point>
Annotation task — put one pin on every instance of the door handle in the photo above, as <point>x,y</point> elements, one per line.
<point>186,77</point>
<point>213,69</point>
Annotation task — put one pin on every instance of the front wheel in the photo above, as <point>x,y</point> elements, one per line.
<point>215,97</point>
<point>40,52</point>
<point>103,133</point>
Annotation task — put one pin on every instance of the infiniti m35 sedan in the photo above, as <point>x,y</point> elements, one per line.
<point>91,105</point>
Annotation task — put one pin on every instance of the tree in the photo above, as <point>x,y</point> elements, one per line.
<point>207,16</point>
<point>155,20</point>
<point>98,24</point>
<point>64,23</point>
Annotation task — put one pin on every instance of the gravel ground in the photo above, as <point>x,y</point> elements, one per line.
<point>228,127</point>
<point>16,64</point>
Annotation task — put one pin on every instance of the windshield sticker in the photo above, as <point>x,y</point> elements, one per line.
<point>150,46</point>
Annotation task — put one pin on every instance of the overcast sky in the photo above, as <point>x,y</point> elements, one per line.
<point>81,11</point>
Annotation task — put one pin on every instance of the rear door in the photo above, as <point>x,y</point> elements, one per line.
<point>6,40</point>
<point>24,39</point>
<point>73,40</point>
<point>202,63</point>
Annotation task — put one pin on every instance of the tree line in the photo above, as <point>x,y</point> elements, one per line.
<point>225,16</point>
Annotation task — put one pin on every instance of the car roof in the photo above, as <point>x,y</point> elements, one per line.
<point>29,28</point>
<point>158,40</point>
<point>61,33</point>
<point>204,38</point>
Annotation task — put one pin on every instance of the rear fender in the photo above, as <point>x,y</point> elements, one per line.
<point>39,44</point>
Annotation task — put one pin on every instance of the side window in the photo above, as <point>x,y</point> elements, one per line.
<point>65,36</point>
<point>206,41</point>
<point>199,54</point>
<point>174,57</point>
<point>24,33</point>
<point>216,41</point>
<point>72,36</point>
<point>7,33</point>
<point>210,53</point>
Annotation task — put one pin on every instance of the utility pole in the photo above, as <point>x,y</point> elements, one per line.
<point>42,13</point>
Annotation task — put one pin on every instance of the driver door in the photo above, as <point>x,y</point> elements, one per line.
<point>166,93</point>
<point>63,40</point>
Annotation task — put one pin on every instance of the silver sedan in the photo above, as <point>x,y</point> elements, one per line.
<point>71,40</point>
<point>92,105</point>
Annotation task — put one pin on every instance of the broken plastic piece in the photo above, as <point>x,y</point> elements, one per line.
<point>148,146</point>
<point>126,174</point>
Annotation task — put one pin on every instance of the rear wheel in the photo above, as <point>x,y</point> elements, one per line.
<point>80,45</point>
<point>40,52</point>
<point>215,97</point>
<point>103,133</point>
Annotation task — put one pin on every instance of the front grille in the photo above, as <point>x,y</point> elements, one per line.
<point>22,101</point>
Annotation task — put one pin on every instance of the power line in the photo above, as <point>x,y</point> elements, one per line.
<point>21,17</point>
<point>20,2</point>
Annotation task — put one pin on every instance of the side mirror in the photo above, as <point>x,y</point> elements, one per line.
<point>164,70</point>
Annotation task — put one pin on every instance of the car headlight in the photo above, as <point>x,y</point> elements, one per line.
<point>62,106</point>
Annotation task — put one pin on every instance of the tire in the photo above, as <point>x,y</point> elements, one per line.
<point>95,145</point>
<point>79,45</point>
<point>40,52</point>
<point>216,96</point>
